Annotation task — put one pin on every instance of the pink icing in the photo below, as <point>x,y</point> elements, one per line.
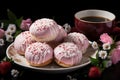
<point>44,29</point>
<point>79,39</point>
<point>22,41</point>
<point>68,53</point>
<point>62,34</point>
<point>38,53</point>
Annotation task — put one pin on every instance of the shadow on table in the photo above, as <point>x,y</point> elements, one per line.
<point>112,73</point>
<point>39,75</point>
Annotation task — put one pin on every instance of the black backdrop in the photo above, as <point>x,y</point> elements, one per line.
<point>61,10</point>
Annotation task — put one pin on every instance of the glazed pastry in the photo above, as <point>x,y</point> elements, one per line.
<point>67,54</point>
<point>22,41</point>
<point>79,39</point>
<point>61,35</point>
<point>44,30</point>
<point>39,54</point>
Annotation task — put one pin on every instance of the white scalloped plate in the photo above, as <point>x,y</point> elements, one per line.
<point>51,68</point>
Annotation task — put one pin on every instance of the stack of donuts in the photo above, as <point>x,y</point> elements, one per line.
<point>47,41</point>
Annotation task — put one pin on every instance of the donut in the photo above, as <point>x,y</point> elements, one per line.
<point>22,41</point>
<point>44,30</point>
<point>67,54</point>
<point>79,39</point>
<point>39,54</point>
<point>61,35</point>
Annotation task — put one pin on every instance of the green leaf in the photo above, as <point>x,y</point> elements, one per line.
<point>8,59</point>
<point>12,17</point>
<point>104,63</point>
<point>94,61</point>
<point>18,21</point>
<point>17,32</point>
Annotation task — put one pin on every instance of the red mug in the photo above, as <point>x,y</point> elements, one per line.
<point>94,22</point>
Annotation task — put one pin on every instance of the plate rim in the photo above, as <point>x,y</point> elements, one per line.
<point>48,69</point>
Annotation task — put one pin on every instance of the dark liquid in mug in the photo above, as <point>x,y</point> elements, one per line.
<point>94,19</point>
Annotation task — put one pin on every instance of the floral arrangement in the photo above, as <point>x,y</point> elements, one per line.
<point>107,49</point>
<point>107,53</point>
<point>11,27</point>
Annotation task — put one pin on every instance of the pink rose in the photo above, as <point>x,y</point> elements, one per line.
<point>118,43</point>
<point>105,38</point>
<point>25,24</point>
<point>115,55</point>
<point>2,33</point>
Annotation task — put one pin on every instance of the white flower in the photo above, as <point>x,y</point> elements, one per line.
<point>11,28</point>
<point>106,46</point>
<point>67,27</point>
<point>2,25</point>
<point>1,42</point>
<point>9,38</point>
<point>8,33</point>
<point>108,63</point>
<point>102,54</point>
<point>94,45</point>
<point>70,77</point>
<point>14,72</point>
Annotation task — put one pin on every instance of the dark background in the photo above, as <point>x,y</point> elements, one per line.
<point>61,10</point>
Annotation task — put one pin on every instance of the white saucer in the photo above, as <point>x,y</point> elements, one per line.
<point>51,68</point>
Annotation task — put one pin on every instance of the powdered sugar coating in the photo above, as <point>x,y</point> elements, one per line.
<point>44,29</point>
<point>22,41</point>
<point>38,53</point>
<point>68,53</point>
<point>79,39</point>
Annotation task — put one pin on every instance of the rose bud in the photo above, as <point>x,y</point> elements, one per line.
<point>25,24</point>
<point>105,38</point>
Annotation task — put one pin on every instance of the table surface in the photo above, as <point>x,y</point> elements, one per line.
<point>111,73</point>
